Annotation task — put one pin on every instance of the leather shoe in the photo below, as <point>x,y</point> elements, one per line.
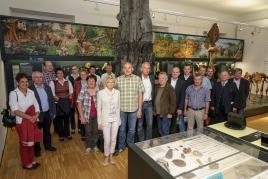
<point>52,149</point>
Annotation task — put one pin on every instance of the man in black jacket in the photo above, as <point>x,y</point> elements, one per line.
<point>44,97</point>
<point>243,90</point>
<point>188,80</point>
<point>224,98</point>
<point>178,84</point>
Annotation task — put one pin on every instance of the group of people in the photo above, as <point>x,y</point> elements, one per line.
<point>122,108</point>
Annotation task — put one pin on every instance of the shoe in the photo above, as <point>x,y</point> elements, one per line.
<point>88,150</point>
<point>112,161</point>
<point>52,149</point>
<point>37,154</point>
<point>79,131</point>
<point>73,131</point>
<point>31,167</point>
<point>61,139</point>
<point>96,149</point>
<point>36,164</point>
<point>70,137</point>
<point>105,162</point>
<point>83,138</point>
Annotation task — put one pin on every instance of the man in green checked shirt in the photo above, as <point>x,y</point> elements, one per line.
<point>131,96</point>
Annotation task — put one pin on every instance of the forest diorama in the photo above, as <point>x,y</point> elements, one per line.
<point>23,37</point>
<point>188,46</point>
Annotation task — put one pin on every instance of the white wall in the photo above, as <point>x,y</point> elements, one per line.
<point>3,130</point>
<point>255,50</point>
<point>85,12</point>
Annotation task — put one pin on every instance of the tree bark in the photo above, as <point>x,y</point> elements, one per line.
<point>134,35</point>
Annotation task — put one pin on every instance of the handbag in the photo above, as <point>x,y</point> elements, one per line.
<point>8,119</point>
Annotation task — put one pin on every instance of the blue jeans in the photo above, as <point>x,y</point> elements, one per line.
<point>130,119</point>
<point>147,112</point>
<point>180,120</point>
<point>163,125</point>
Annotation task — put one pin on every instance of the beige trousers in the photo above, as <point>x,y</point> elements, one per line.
<point>195,116</point>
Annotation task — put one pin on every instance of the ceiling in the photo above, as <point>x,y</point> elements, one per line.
<point>235,7</point>
<point>253,12</point>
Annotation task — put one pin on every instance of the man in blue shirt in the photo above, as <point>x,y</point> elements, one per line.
<point>44,97</point>
<point>196,103</point>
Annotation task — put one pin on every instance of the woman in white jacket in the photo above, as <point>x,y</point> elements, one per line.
<point>108,112</point>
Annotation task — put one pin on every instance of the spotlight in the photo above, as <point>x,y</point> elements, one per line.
<point>153,15</point>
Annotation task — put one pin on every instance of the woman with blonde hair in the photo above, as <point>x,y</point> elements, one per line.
<point>108,107</point>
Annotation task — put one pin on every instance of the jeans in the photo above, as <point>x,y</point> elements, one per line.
<point>163,125</point>
<point>147,113</point>
<point>124,136</point>
<point>180,120</point>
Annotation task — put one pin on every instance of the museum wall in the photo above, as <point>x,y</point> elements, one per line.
<point>87,13</point>
<point>3,130</point>
<point>255,57</point>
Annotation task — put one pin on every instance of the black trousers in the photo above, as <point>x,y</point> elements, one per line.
<point>63,125</point>
<point>45,125</point>
<point>220,116</point>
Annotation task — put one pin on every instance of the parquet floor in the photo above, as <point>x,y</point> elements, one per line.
<point>71,162</point>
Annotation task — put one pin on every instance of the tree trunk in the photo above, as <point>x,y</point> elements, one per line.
<point>134,35</point>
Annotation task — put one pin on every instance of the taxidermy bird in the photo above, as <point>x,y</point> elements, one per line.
<point>212,37</point>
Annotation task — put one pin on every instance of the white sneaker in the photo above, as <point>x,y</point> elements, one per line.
<point>88,150</point>
<point>120,150</point>
<point>96,149</point>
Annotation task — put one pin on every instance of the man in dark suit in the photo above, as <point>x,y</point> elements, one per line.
<point>44,97</point>
<point>188,80</point>
<point>224,98</point>
<point>178,84</point>
<point>243,90</point>
<point>147,105</point>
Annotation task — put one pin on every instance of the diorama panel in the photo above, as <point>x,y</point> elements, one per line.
<point>168,45</point>
<point>42,38</point>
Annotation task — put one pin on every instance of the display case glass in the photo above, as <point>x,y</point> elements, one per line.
<point>204,154</point>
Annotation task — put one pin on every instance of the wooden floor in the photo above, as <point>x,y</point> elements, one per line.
<point>71,161</point>
<point>259,122</point>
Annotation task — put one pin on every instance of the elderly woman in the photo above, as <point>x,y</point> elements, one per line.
<point>24,105</point>
<point>62,90</point>
<point>87,108</point>
<point>109,117</point>
<point>79,84</point>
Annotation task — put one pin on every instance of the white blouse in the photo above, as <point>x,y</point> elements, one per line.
<point>18,101</point>
<point>108,106</point>
<point>52,86</point>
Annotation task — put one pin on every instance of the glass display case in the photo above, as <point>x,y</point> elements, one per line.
<point>197,154</point>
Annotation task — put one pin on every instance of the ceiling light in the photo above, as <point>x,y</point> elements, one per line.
<point>107,2</point>
<point>208,18</point>
<point>242,3</point>
<point>168,12</point>
<point>153,15</point>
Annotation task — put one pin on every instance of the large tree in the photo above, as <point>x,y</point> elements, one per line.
<point>134,35</point>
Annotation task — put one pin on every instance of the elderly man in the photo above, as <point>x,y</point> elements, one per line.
<point>147,105</point>
<point>48,74</point>
<point>131,96</point>
<point>44,97</point>
<point>224,98</point>
<point>197,104</point>
<point>243,88</point>
<point>179,86</point>
<point>164,103</point>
